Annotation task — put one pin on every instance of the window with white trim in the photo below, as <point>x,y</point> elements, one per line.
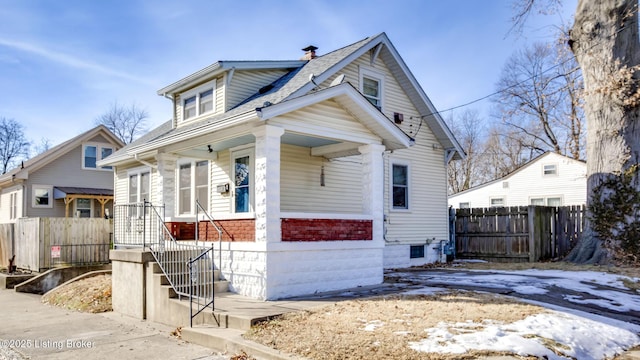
<point>83,207</point>
<point>400,186</point>
<point>139,186</point>
<point>193,184</point>
<point>42,196</point>
<point>554,201</point>
<point>92,153</point>
<point>242,179</point>
<point>497,201</point>
<point>546,201</point>
<point>372,85</point>
<point>464,205</point>
<point>13,199</point>
<point>199,101</point>
<point>539,201</point>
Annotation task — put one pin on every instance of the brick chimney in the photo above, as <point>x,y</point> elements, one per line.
<point>309,53</point>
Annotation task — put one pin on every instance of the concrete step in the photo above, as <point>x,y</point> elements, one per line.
<point>231,341</point>
<point>220,318</point>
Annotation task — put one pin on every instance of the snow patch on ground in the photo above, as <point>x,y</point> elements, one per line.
<point>555,335</point>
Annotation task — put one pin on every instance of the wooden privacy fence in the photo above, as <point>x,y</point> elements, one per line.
<point>42,243</point>
<point>517,234</point>
<point>6,244</point>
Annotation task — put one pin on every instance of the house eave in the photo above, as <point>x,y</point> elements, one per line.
<point>350,98</point>
<point>220,67</point>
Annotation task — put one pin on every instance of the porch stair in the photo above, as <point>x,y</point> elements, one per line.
<point>223,327</point>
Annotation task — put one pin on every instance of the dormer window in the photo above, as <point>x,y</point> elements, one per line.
<point>198,101</point>
<point>372,85</point>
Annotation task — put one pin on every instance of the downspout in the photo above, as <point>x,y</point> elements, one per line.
<point>173,106</point>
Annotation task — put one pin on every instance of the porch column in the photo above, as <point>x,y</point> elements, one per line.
<point>165,184</point>
<point>373,187</point>
<point>267,183</point>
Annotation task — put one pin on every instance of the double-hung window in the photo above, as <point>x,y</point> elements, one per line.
<point>372,85</point>
<point>92,153</point>
<point>14,205</point>
<point>198,101</point>
<point>139,186</point>
<point>193,184</point>
<point>83,207</point>
<point>400,186</point>
<point>139,190</point>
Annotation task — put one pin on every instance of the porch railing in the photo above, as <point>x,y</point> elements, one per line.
<point>189,268</point>
<point>209,218</point>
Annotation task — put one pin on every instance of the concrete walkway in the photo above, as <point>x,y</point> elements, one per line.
<point>32,330</point>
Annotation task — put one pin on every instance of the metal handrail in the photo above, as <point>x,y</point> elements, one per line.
<point>198,286</point>
<point>210,219</point>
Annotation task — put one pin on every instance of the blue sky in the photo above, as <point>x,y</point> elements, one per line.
<point>62,63</point>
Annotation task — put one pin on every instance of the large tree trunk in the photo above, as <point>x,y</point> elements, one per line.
<point>604,39</point>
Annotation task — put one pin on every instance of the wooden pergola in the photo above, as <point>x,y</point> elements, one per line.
<point>70,194</point>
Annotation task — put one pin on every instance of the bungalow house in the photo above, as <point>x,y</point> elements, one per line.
<point>320,172</point>
<point>550,179</point>
<point>64,181</point>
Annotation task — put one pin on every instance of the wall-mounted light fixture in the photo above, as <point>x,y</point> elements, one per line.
<point>322,175</point>
<point>209,148</point>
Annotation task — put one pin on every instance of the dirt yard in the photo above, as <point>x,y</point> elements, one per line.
<point>345,330</point>
<point>91,295</point>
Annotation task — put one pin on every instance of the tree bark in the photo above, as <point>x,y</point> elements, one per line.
<point>604,40</point>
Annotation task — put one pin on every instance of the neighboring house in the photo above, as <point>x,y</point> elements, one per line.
<point>64,181</point>
<point>321,171</point>
<point>550,179</point>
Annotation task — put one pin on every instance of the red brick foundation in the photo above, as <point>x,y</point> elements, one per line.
<point>326,229</point>
<point>182,230</point>
<point>232,230</point>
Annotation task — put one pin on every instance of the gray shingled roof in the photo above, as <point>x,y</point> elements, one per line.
<point>283,87</point>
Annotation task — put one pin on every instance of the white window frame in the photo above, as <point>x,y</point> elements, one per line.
<point>138,172</point>
<point>555,170</point>
<point>406,163</point>
<point>371,73</point>
<point>91,209</point>
<point>211,85</point>
<point>235,153</point>
<point>542,198</point>
<point>99,147</point>
<point>192,186</point>
<point>49,190</point>
<point>504,201</point>
<point>13,205</point>
<point>554,197</point>
<point>464,205</point>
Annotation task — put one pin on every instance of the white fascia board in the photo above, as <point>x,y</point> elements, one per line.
<point>344,89</point>
<point>423,96</point>
<point>222,66</point>
<point>198,131</point>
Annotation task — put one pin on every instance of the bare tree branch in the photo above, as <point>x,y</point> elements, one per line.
<point>13,144</point>
<point>126,122</point>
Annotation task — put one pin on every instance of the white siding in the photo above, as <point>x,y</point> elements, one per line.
<point>220,175</point>
<point>5,203</point>
<point>326,119</point>
<point>248,82</point>
<point>529,182</point>
<point>300,186</point>
<point>427,218</point>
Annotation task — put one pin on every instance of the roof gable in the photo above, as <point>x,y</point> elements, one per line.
<point>543,157</point>
<point>58,151</point>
